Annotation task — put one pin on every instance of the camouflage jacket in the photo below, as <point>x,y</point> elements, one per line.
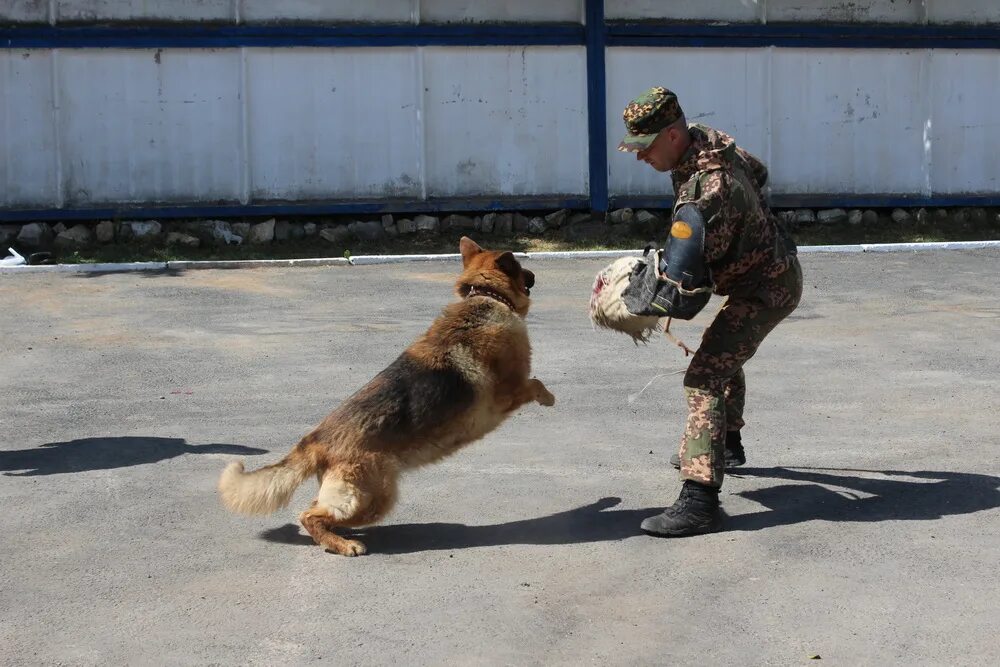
<point>744,242</point>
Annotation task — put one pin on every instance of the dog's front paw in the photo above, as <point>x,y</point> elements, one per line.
<point>355,548</point>
<point>347,547</point>
<point>546,398</point>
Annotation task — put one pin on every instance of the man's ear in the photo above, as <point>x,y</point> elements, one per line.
<point>469,249</point>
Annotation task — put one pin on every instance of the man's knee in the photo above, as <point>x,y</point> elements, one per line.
<point>703,380</point>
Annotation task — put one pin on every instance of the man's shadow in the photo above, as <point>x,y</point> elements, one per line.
<point>873,497</point>
<point>936,495</point>
<point>86,454</point>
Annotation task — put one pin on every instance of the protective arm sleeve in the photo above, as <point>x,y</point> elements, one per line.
<point>683,260</point>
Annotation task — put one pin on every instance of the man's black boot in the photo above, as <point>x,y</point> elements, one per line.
<point>735,456</point>
<point>696,512</point>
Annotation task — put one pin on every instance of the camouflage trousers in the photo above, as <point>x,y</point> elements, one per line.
<point>715,385</point>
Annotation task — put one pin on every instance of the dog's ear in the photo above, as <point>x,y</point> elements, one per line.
<point>469,249</point>
<point>506,263</point>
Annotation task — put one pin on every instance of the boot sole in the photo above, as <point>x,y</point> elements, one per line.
<point>728,465</point>
<point>714,527</point>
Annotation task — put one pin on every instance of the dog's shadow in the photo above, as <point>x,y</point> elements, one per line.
<point>590,523</point>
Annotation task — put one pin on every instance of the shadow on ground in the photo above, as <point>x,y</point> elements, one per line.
<point>157,273</point>
<point>87,454</point>
<point>589,523</point>
<point>876,496</point>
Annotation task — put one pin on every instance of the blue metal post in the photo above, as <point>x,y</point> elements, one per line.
<point>596,34</point>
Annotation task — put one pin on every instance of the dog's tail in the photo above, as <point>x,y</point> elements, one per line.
<point>268,489</point>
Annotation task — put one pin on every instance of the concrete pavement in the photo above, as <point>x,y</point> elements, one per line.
<point>865,528</point>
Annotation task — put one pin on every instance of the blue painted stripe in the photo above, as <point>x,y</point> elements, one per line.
<point>832,201</point>
<point>803,35</point>
<point>616,33</point>
<point>221,36</point>
<point>597,105</point>
<point>266,209</point>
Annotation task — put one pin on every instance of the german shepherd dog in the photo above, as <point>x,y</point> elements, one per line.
<point>452,386</point>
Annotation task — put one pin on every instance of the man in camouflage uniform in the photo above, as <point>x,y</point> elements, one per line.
<point>751,260</point>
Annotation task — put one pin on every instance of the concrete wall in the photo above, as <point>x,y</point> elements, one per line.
<point>819,11</point>
<point>85,127</point>
<point>825,120</point>
<point>413,11</point>
<point>82,127</point>
<point>394,11</point>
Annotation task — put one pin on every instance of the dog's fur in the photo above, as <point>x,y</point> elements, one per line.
<point>452,386</point>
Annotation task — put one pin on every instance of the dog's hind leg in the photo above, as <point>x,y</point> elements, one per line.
<point>318,522</point>
<point>349,496</point>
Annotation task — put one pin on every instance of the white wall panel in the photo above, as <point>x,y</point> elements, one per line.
<point>723,88</point>
<point>718,10</point>
<point>965,126</point>
<point>33,11</point>
<point>840,11</point>
<point>333,123</point>
<point>140,125</point>
<point>27,131</point>
<point>457,11</point>
<point>158,10</point>
<point>848,121</point>
<point>389,11</point>
<point>963,11</point>
<point>823,11</point>
<point>846,11</point>
<point>405,11</point>
<point>507,120</point>
<point>176,125</point>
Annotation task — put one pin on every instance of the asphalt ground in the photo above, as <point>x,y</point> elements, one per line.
<point>864,529</point>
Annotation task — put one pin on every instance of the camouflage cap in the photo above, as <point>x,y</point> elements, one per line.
<point>646,115</point>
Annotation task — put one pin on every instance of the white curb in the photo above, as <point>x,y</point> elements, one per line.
<point>256,263</point>
<point>364,260</point>
<point>830,248</point>
<point>86,268</point>
<point>940,245</point>
<point>583,254</point>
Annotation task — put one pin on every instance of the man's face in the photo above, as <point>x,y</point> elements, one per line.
<point>664,153</point>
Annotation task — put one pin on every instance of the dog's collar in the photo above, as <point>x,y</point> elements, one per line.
<point>491,294</point>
